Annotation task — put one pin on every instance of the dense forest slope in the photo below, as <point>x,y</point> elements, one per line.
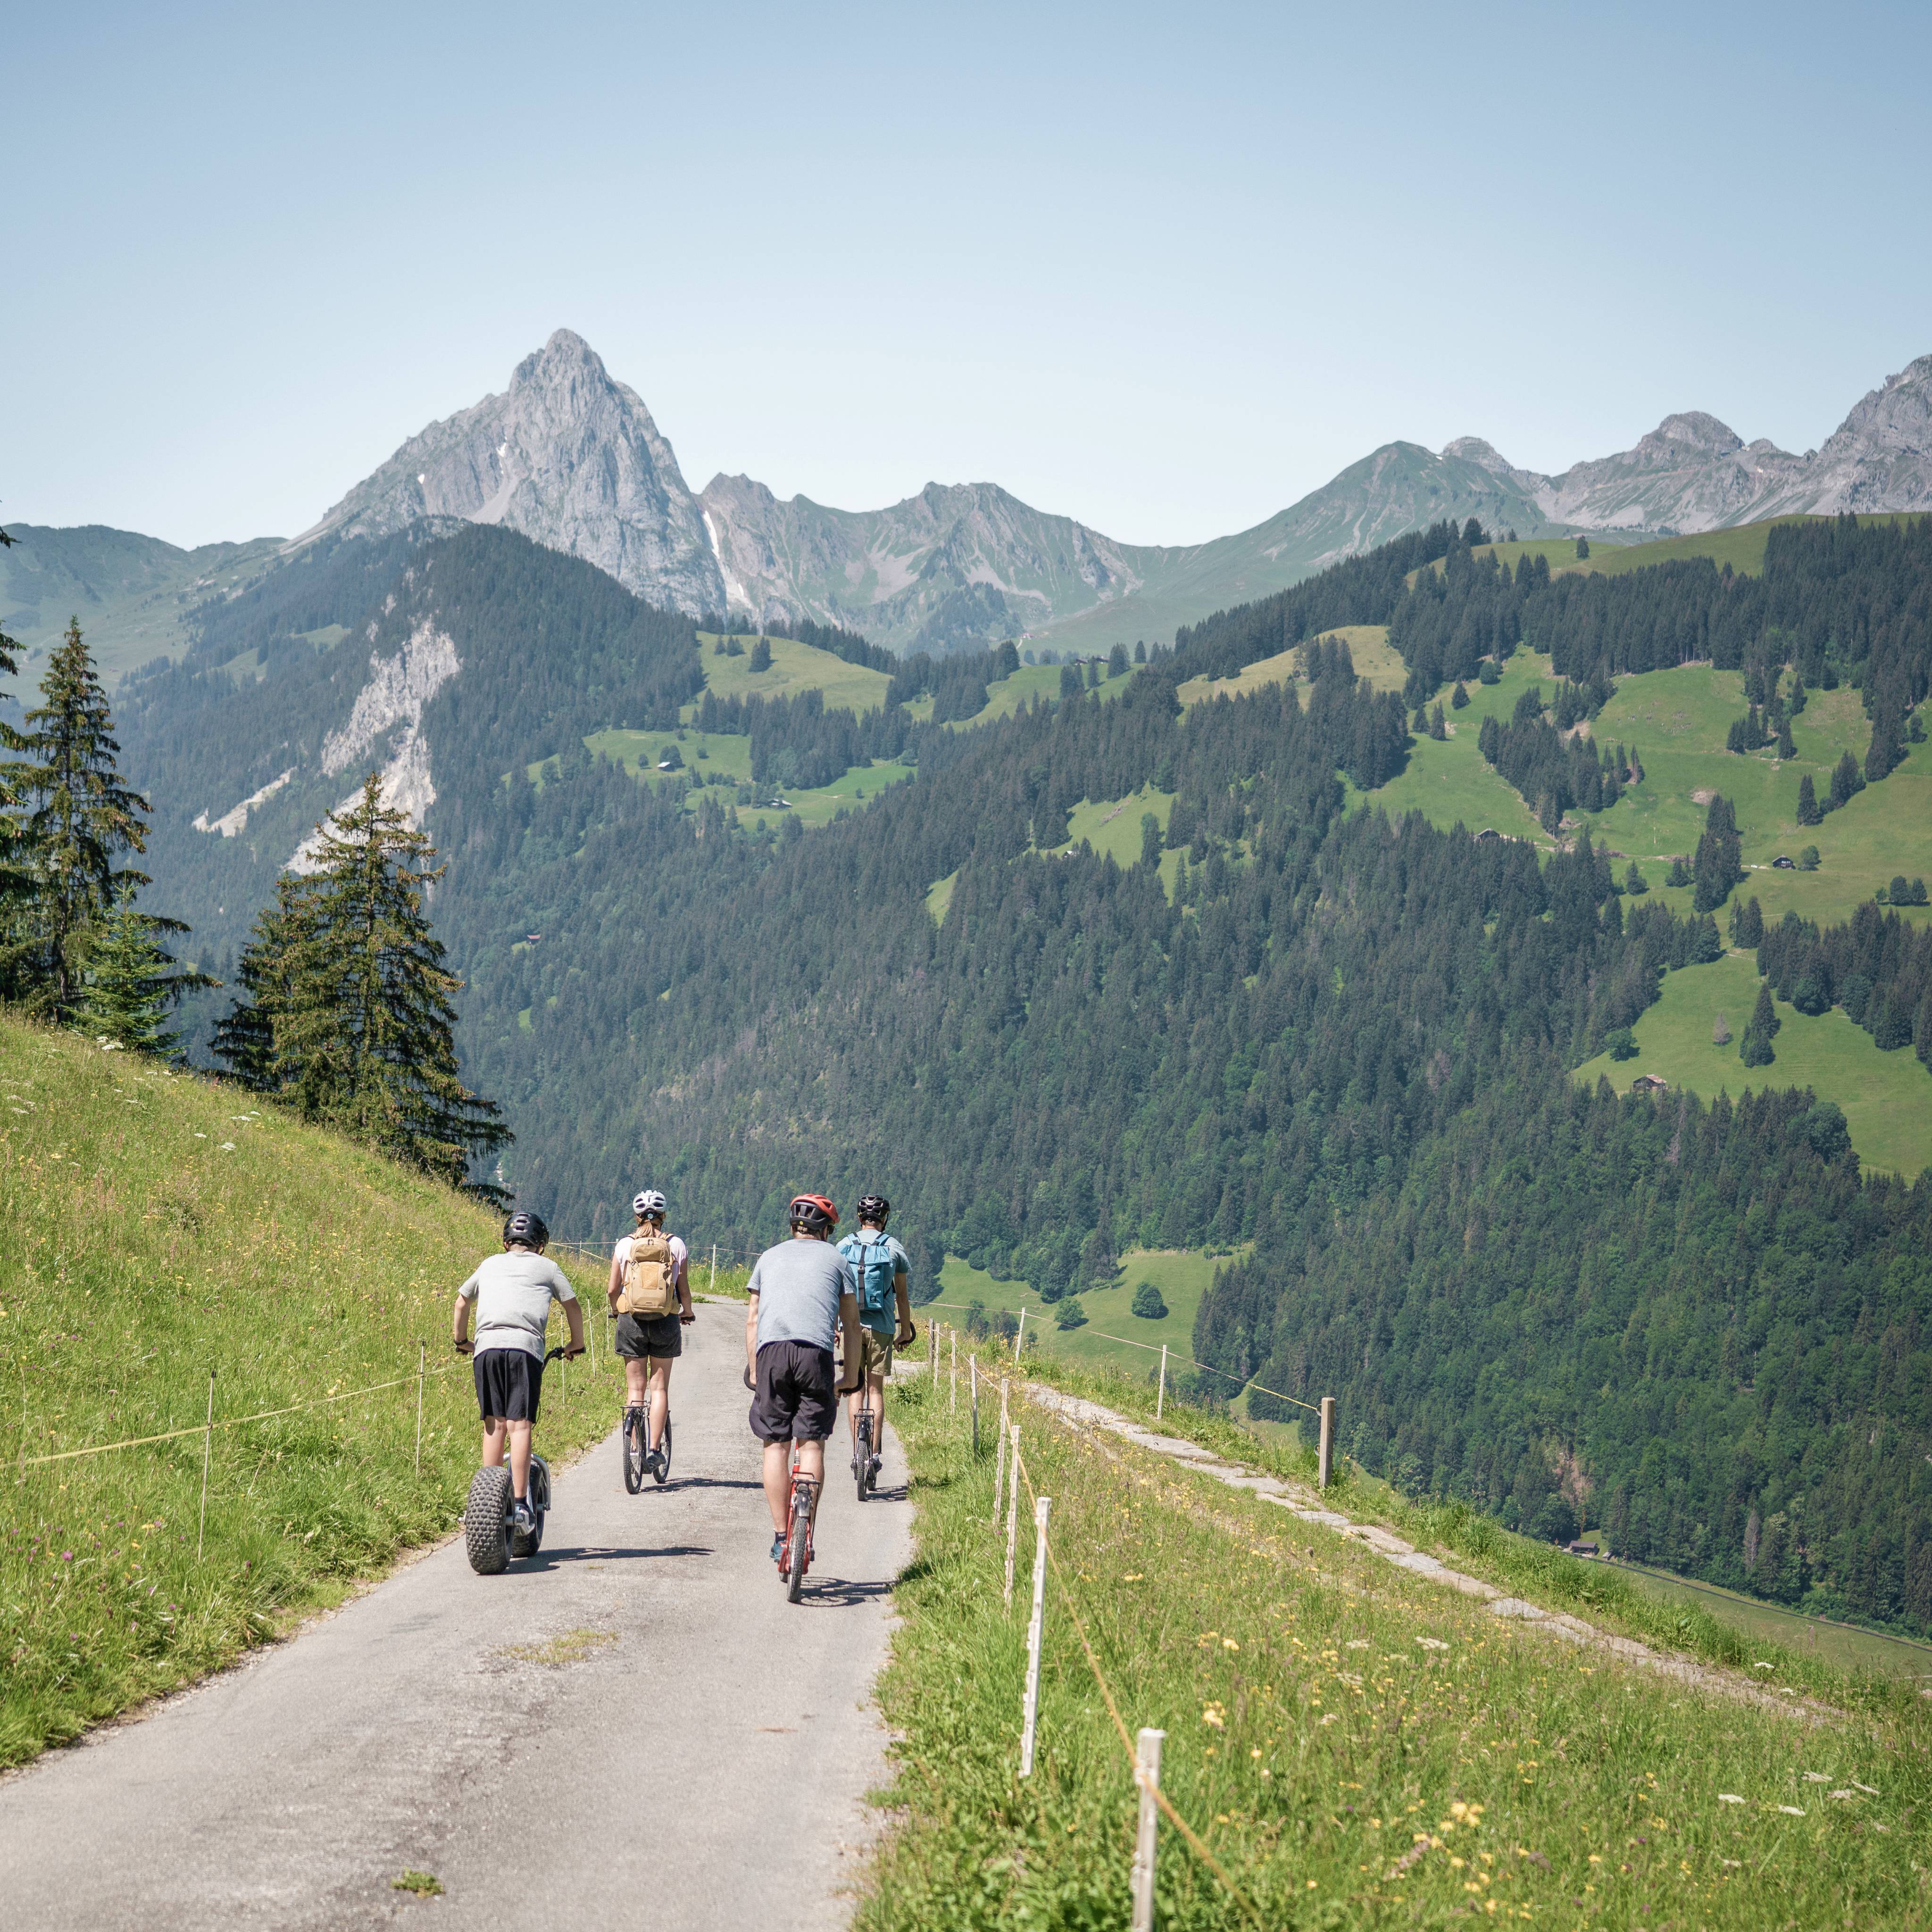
<point>1266,1015</point>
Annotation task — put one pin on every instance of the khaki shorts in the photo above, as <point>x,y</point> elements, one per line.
<point>875,1353</point>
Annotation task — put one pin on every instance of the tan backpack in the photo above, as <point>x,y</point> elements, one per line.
<point>650,1275</point>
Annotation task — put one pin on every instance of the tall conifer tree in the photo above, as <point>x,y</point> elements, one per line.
<point>133,982</point>
<point>349,1016</point>
<point>73,819</point>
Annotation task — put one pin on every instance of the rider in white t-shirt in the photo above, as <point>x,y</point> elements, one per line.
<point>648,1344</point>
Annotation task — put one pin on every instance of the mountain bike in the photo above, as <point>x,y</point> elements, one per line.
<point>489,1537</point>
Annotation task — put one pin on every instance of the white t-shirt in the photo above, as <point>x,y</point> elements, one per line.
<point>680,1256</point>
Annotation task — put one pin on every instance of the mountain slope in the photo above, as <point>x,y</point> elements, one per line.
<point>567,456</point>
<point>134,595</point>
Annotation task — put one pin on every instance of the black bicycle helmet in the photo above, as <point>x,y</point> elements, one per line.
<point>526,1230</point>
<point>874,1208</point>
<point>813,1213</point>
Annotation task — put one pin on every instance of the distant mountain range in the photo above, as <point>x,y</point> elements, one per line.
<point>571,456</point>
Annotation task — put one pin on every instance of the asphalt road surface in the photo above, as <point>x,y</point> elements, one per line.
<point>702,1763</point>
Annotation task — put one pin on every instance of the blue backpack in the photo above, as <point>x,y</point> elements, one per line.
<point>873,1264</point>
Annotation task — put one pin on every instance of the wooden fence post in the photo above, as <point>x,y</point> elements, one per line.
<point>1012,1514</point>
<point>999,1464</point>
<point>1030,1715</point>
<point>952,1343</point>
<point>1146,1775</point>
<point>973,1368</point>
<point>1327,1438</point>
<point>1019,1335</point>
<point>1160,1400</point>
<point>207,1450</point>
<point>422,1364</point>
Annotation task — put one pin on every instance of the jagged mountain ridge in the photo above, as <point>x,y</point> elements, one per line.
<point>568,456</point>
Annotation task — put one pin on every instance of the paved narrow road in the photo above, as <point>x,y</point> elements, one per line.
<point>705,1768</point>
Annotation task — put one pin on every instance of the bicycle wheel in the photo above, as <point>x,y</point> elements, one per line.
<point>801,1541</point>
<point>486,1523</point>
<point>660,1469</point>
<point>863,1453</point>
<point>634,1450</point>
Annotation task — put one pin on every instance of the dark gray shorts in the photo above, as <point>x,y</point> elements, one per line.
<point>796,1400</point>
<point>641,1336</point>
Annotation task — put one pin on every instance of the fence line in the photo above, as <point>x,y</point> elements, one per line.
<point>1142,1783</point>
<point>1153,1349</point>
<point>228,1422</point>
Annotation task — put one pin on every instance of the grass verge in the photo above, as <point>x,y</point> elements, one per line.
<point>162,1228</point>
<point>1355,1747</point>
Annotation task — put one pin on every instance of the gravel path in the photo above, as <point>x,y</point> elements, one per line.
<point>635,1728</point>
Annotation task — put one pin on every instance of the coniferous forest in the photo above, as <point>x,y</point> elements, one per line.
<point>1340,1044</point>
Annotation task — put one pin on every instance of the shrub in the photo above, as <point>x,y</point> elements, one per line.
<point>1069,1314</point>
<point>1148,1304</point>
<point>1807,859</point>
<point>1621,1043</point>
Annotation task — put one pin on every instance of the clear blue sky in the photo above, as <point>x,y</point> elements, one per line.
<point>1164,268</point>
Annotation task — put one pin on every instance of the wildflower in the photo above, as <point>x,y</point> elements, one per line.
<point>1870,1791</point>
<point>1791,1810</point>
<point>1215,1715</point>
<point>1229,1643</point>
<point>1816,1777</point>
<point>1728,1797</point>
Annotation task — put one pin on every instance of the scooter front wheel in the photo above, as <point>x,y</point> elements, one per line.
<point>486,1522</point>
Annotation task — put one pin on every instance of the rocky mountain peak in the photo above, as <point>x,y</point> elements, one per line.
<point>1692,431</point>
<point>569,456</point>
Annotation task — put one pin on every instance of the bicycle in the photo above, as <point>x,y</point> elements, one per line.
<point>489,1537</point>
<point>638,1459</point>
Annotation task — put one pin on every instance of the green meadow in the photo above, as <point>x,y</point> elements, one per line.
<point>1887,1097</point>
<point>1113,1336</point>
<point>795,667</point>
<point>716,756</point>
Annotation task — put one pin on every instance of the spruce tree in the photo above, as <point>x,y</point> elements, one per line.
<point>75,819</point>
<point>350,1017</point>
<point>133,982</point>
<point>1754,1049</point>
<point>1808,813</point>
<point>1718,866</point>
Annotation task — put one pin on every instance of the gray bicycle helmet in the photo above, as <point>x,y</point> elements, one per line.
<point>650,1201</point>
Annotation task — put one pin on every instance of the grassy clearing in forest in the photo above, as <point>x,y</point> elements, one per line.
<point>1887,1097</point>
<point>162,1226</point>
<point>794,668</point>
<point>1357,1747</point>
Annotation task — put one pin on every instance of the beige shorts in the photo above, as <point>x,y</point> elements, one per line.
<point>875,1353</point>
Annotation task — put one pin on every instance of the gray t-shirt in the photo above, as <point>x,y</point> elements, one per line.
<point>513,1292</point>
<point>798,1285</point>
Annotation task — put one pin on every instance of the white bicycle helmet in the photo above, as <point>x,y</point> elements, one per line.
<point>650,1201</point>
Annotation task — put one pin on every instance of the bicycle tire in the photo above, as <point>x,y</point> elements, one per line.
<point>634,1450</point>
<point>526,1542</point>
<point>660,1470</point>
<point>486,1522</point>
<point>863,1454</point>
<point>801,1541</point>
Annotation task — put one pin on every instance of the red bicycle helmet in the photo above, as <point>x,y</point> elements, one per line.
<point>813,1213</point>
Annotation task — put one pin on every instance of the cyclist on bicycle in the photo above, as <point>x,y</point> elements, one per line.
<point>880,1267</point>
<point>513,1292</point>
<point>802,1295</point>
<point>650,1269</point>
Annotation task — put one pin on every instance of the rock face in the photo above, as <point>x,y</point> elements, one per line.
<point>569,456</point>
<point>953,566</point>
<point>1693,472</point>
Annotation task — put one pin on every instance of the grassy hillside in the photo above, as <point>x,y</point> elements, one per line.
<point>718,756</point>
<point>1354,1744</point>
<point>1887,1097</point>
<point>795,667</point>
<point>161,1229</point>
<point>1183,1277</point>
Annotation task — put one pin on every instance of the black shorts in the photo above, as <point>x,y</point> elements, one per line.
<point>641,1336</point>
<point>796,1400</point>
<point>508,1383</point>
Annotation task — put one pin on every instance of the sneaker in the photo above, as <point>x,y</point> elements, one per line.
<point>521,1516</point>
<point>777,1547</point>
<point>878,1463</point>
